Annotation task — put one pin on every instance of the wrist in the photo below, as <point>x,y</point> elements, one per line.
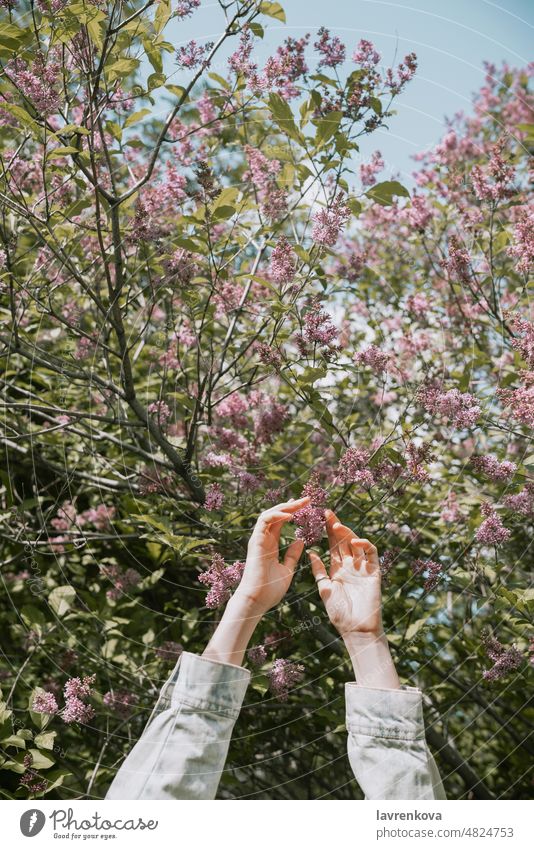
<point>371,659</point>
<point>244,608</point>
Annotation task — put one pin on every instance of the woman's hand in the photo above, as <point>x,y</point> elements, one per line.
<point>352,597</point>
<point>351,592</point>
<point>266,579</point>
<point>264,583</point>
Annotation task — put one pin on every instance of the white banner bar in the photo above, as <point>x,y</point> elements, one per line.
<point>251,825</point>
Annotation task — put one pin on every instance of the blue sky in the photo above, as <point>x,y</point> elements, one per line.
<point>451,40</point>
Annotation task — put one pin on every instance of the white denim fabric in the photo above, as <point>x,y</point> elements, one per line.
<point>182,750</point>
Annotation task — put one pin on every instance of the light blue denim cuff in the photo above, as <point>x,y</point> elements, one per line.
<point>206,685</point>
<point>396,714</point>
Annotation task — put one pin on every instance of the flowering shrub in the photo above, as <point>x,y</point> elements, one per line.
<point>207,312</point>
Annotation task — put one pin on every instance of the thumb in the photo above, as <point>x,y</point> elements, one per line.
<point>324,584</point>
<point>293,554</point>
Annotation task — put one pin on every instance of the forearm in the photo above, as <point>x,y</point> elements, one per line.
<point>233,633</point>
<point>371,660</point>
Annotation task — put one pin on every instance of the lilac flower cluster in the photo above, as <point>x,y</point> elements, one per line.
<point>31,779</point>
<point>416,455</point>
<point>522,248</point>
<point>490,465</point>
<point>461,408</point>
<point>282,264</point>
<point>318,329</point>
<point>524,341</point>
<point>330,47</point>
<point>329,222</point>
<point>492,530</point>
<point>353,468</point>
<point>193,55</point>
<point>214,497</point>
<point>161,412</point>
<point>75,691</point>
<point>121,702</point>
<point>433,572</point>
<point>310,519</point>
<point>221,580</point>
<point>283,675</point>
<point>45,703</point>
<point>504,660</point>
<point>521,400</point>
<point>257,655</point>
<point>38,83</point>
<point>521,502</point>
<point>374,357</point>
<point>123,580</point>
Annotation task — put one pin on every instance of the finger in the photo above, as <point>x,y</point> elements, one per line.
<point>331,519</point>
<point>365,552</point>
<point>343,536</point>
<point>291,506</point>
<point>293,554</point>
<point>324,584</point>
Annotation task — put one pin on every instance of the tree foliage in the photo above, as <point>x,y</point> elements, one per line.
<point>201,312</point>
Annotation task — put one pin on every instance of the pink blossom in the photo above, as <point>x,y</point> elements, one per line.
<point>77,711</point>
<point>153,480</point>
<point>257,655</point>
<point>38,83</point>
<point>192,55</point>
<point>418,304</point>
<point>524,341</point>
<point>459,262</point>
<point>419,214</point>
<point>99,516</point>
<point>283,676</point>
<point>504,660</point>
<point>270,421</point>
<point>492,530</point>
<point>310,519</point>
<point>240,61</point>
<point>522,248</point>
<point>45,703</point>
<point>214,497</point>
<point>521,400</point>
<point>416,455</point>
<point>497,471</point>
<point>366,54</point>
<point>269,355</point>
<point>123,580</point>
<point>86,347</point>
<point>368,171</point>
<point>318,326</point>
<point>451,511</point>
<point>186,7</point>
<point>460,408</point>
<point>221,579</point>
<point>282,265</point>
<point>521,502</point>
<point>433,572</point>
<point>66,518</point>
<point>161,412</point>
<point>332,50</point>
<point>374,357</point>
<point>284,69</point>
<point>121,702</point>
<point>329,222</point>
<point>78,687</point>
<point>353,468</point>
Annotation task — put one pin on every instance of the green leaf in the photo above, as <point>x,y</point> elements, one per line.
<point>45,740</point>
<point>383,193</point>
<point>41,760</point>
<point>257,29</point>
<point>163,13</point>
<point>283,115</point>
<point>61,599</point>
<point>122,68</point>
<point>326,128</point>
<point>273,10</point>
<point>223,212</point>
<point>62,151</point>
<point>177,90</point>
<point>136,117</point>
<point>354,206</point>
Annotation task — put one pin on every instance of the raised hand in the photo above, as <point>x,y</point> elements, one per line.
<point>266,578</point>
<point>351,590</point>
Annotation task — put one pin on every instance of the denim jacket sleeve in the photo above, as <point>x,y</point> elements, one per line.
<point>386,744</point>
<point>183,747</point>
